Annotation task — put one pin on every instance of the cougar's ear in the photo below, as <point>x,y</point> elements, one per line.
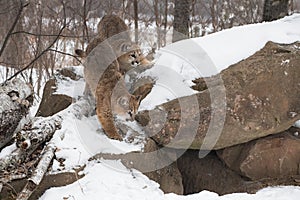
<point>125,47</point>
<point>80,53</point>
<point>138,98</point>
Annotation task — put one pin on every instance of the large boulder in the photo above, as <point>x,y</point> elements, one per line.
<point>158,164</point>
<point>270,157</point>
<point>262,98</point>
<point>168,177</point>
<point>52,103</point>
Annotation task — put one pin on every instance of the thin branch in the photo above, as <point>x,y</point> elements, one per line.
<point>67,54</point>
<point>13,26</point>
<point>45,35</point>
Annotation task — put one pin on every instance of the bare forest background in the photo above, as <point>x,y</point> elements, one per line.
<point>39,36</point>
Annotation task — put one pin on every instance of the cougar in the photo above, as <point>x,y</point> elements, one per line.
<point>107,58</point>
<point>107,86</point>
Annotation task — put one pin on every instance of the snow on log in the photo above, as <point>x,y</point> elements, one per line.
<point>32,136</point>
<point>15,98</point>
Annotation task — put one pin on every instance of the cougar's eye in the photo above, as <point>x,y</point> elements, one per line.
<point>130,113</point>
<point>133,55</point>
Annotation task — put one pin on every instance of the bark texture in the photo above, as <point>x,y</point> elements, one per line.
<point>15,98</point>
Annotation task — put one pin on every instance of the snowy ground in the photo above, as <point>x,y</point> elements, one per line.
<point>176,66</point>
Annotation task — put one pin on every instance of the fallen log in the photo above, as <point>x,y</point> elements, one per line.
<point>262,98</point>
<point>11,190</point>
<point>15,98</point>
<point>39,131</point>
<point>38,173</point>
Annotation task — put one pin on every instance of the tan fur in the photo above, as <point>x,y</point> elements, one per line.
<point>129,55</point>
<point>112,98</point>
<point>103,96</point>
<point>112,25</point>
<point>116,32</point>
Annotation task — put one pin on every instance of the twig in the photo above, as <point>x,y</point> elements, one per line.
<point>12,177</point>
<point>8,185</point>
<point>67,54</point>
<point>45,35</point>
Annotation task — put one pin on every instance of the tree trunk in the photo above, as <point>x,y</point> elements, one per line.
<point>165,24</point>
<point>214,17</point>
<point>157,23</point>
<point>181,20</point>
<point>136,21</point>
<point>275,9</point>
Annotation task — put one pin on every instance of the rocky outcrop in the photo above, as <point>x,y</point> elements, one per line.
<point>208,173</point>
<point>168,177</point>
<point>69,72</point>
<point>52,103</point>
<point>159,164</point>
<point>262,98</point>
<point>270,157</point>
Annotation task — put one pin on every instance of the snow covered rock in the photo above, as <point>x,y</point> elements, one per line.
<point>52,103</point>
<point>158,164</point>
<point>262,98</point>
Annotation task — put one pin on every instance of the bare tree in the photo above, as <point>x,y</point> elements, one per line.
<point>20,7</point>
<point>157,22</point>
<point>136,21</point>
<point>181,20</point>
<point>165,23</point>
<point>275,9</point>
<point>216,15</point>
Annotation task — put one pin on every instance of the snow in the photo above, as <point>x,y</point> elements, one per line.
<point>7,150</point>
<point>175,68</point>
<point>270,193</point>
<point>80,139</point>
<point>108,180</point>
<point>71,87</point>
<point>180,63</point>
<point>233,45</point>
